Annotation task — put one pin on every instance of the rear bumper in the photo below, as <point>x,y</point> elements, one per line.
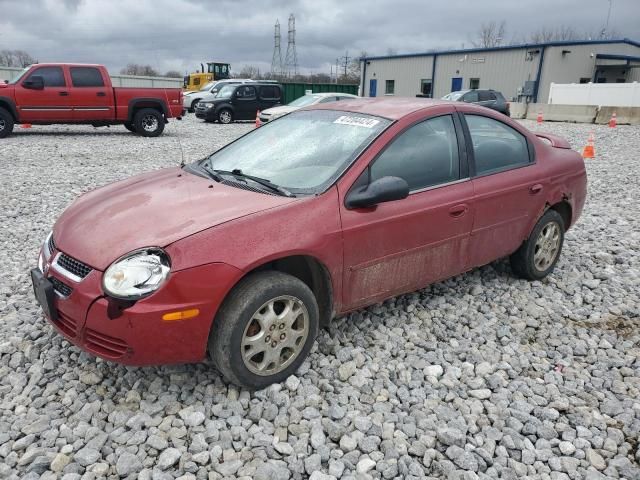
<point>138,335</point>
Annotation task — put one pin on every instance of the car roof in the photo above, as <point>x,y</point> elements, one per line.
<point>331,94</point>
<point>391,108</point>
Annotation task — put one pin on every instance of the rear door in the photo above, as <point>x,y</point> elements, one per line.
<point>49,104</point>
<point>268,96</point>
<point>403,245</point>
<point>90,98</point>
<point>245,102</point>
<point>509,190</point>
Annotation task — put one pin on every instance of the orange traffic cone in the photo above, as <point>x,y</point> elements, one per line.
<point>25,125</point>
<point>613,123</point>
<point>589,150</point>
<point>258,122</point>
<point>539,119</point>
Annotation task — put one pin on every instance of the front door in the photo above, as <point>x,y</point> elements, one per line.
<point>509,192</point>
<point>89,97</point>
<point>373,86</point>
<point>245,102</point>
<point>456,84</point>
<point>403,245</point>
<point>48,104</point>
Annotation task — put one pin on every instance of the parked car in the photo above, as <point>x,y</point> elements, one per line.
<point>487,98</point>
<point>246,253</point>
<point>52,93</point>
<point>208,91</point>
<point>304,101</point>
<point>239,102</point>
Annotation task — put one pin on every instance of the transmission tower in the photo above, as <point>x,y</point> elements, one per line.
<point>291,60</point>
<point>276,61</point>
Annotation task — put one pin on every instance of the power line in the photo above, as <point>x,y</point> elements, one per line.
<point>276,61</point>
<point>291,60</point>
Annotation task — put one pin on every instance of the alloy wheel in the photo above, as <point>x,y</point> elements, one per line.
<point>547,246</point>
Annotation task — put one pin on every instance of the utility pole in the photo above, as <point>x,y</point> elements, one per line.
<point>337,64</point>
<point>345,62</point>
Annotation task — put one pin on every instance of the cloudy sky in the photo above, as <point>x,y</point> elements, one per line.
<point>179,34</point>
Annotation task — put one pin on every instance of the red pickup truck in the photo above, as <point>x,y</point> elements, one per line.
<point>49,93</point>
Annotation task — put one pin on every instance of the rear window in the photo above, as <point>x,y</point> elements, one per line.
<point>270,92</point>
<point>86,77</point>
<point>484,96</point>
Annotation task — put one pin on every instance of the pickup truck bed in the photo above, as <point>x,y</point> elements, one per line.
<point>83,94</point>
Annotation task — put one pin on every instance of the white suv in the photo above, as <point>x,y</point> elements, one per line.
<point>191,99</point>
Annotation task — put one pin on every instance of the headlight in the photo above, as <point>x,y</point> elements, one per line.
<point>137,274</point>
<point>208,105</point>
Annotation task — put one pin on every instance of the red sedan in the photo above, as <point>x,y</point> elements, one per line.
<point>245,254</point>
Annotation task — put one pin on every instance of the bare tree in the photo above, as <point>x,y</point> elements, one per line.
<point>248,71</point>
<point>490,34</point>
<point>16,58</point>
<point>547,34</point>
<point>136,69</point>
<point>173,74</point>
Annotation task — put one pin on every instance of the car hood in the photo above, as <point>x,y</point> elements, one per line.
<point>152,209</point>
<point>4,85</point>
<point>281,110</point>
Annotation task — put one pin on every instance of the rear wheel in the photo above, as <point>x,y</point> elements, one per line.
<point>129,126</point>
<point>6,123</point>
<point>225,116</point>
<point>148,122</point>
<point>264,330</point>
<point>537,256</point>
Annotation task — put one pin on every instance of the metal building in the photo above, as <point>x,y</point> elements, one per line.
<point>521,72</point>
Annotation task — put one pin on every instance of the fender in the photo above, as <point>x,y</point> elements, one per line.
<point>146,102</point>
<point>9,104</point>
<point>228,105</point>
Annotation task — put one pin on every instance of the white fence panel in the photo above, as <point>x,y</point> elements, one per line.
<point>601,94</point>
<point>9,73</point>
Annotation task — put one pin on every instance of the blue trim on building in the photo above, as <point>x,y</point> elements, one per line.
<point>433,76</point>
<point>507,47</point>
<point>610,56</point>
<point>538,75</point>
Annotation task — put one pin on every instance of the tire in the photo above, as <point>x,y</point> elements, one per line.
<point>129,126</point>
<point>6,123</point>
<point>225,116</point>
<point>194,104</point>
<point>148,122</point>
<point>236,323</point>
<point>536,258</point>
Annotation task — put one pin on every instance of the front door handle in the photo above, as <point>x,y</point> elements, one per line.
<point>63,94</point>
<point>458,210</point>
<point>535,189</point>
<point>101,94</point>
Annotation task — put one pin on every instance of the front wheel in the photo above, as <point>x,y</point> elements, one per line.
<point>264,330</point>
<point>225,116</point>
<point>194,105</point>
<point>6,123</point>
<point>537,256</point>
<point>149,122</point>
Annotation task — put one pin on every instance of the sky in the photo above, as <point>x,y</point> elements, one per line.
<point>179,34</point>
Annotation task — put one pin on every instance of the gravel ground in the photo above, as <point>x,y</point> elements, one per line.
<point>481,376</point>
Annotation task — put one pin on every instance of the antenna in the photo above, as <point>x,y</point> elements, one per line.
<point>291,61</point>
<point>276,61</point>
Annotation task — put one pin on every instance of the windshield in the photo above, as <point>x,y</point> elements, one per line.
<point>303,152</point>
<point>453,96</point>
<point>304,101</point>
<point>207,86</point>
<point>17,79</point>
<point>226,91</point>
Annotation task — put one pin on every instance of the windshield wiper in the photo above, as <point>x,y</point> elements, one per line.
<point>237,173</point>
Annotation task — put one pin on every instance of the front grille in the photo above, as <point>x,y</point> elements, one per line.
<point>66,324</point>
<point>52,245</point>
<point>105,345</point>
<point>62,288</point>
<point>244,186</point>
<point>73,266</point>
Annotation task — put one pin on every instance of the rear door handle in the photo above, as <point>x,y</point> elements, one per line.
<point>63,94</point>
<point>101,94</point>
<point>458,210</point>
<point>535,189</point>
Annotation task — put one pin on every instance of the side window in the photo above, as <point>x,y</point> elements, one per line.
<point>52,76</point>
<point>424,155</point>
<point>485,96</point>
<point>86,77</point>
<point>496,146</point>
<point>471,97</point>
<point>246,93</point>
<point>270,93</point>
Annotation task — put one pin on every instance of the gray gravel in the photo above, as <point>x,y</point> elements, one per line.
<point>481,376</point>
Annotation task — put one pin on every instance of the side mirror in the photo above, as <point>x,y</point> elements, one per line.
<point>385,189</point>
<point>35,82</point>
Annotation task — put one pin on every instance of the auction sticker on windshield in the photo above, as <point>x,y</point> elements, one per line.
<point>357,121</point>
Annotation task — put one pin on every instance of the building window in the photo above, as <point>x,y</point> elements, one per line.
<point>474,83</point>
<point>389,87</point>
<point>585,80</point>
<point>425,86</point>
